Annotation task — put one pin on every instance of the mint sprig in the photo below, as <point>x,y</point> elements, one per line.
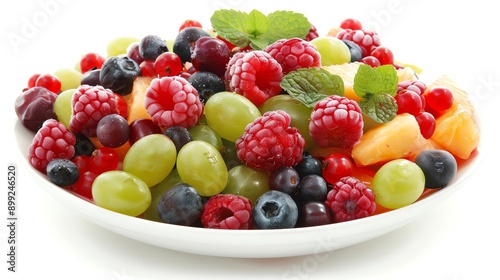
<point>257,30</point>
<point>377,88</point>
<point>310,85</point>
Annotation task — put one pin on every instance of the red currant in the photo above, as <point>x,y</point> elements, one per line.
<point>439,98</point>
<point>83,186</point>
<point>371,61</point>
<point>50,82</point>
<point>148,69</point>
<point>190,23</point>
<point>82,162</point>
<point>104,159</point>
<point>32,80</point>
<point>384,55</point>
<point>351,23</point>
<point>91,61</point>
<point>409,102</point>
<point>427,124</point>
<point>122,105</point>
<point>336,166</point>
<point>168,64</point>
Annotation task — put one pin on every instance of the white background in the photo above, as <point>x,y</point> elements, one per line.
<point>457,240</point>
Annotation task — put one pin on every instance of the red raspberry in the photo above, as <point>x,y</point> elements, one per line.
<point>313,33</point>
<point>416,86</point>
<point>227,211</point>
<point>367,40</point>
<point>350,199</point>
<point>270,143</point>
<point>173,101</point>
<point>255,75</point>
<point>294,53</point>
<point>90,105</point>
<point>336,121</point>
<point>53,140</point>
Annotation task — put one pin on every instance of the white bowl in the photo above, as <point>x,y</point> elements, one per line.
<point>247,243</point>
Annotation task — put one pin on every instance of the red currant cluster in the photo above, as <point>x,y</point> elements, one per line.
<point>414,98</point>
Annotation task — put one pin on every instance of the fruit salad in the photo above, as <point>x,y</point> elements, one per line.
<point>265,124</point>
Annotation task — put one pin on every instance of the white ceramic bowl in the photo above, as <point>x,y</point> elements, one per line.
<point>246,243</point>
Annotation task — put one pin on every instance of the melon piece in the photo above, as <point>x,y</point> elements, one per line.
<point>135,100</point>
<point>399,138</point>
<point>456,128</point>
<point>347,71</point>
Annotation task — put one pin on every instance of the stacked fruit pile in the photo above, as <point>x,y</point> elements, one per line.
<point>257,123</point>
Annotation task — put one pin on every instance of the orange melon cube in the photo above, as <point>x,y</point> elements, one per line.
<point>456,129</point>
<point>399,138</point>
<point>135,100</point>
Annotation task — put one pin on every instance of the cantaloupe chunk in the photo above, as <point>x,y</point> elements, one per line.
<point>347,71</point>
<point>399,138</point>
<point>456,129</point>
<point>135,100</point>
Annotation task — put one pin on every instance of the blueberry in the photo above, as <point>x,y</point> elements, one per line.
<point>91,77</point>
<point>184,41</point>
<point>207,84</point>
<point>83,145</point>
<point>275,210</point>
<point>180,205</point>
<point>439,167</point>
<point>308,165</point>
<point>313,188</point>
<point>151,46</point>
<point>62,172</point>
<point>118,74</point>
<point>354,49</point>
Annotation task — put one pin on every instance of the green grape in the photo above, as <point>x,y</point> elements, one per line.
<point>228,114</point>
<point>69,78</point>
<point>151,158</point>
<point>332,50</point>
<point>170,181</point>
<point>299,113</point>
<point>247,182</point>
<point>398,183</point>
<point>204,133</point>
<point>230,154</point>
<point>201,165</point>
<point>62,106</point>
<point>119,46</point>
<point>121,192</point>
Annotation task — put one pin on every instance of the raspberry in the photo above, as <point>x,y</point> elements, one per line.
<point>350,199</point>
<point>416,86</point>
<point>227,211</point>
<point>312,34</point>
<point>269,142</point>
<point>336,121</point>
<point>255,75</point>
<point>173,101</point>
<point>367,40</point>
<point>294,53</point>
<point>90,105</point>
<point>53,140</point>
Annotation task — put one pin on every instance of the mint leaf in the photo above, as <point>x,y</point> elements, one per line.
<point>287,25</point>
<point>382,79</point>
<point>232,25</point>
<point>256,29</point>
<point>310,85</point>
<point>380,107</point>
<point>258,24</point>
